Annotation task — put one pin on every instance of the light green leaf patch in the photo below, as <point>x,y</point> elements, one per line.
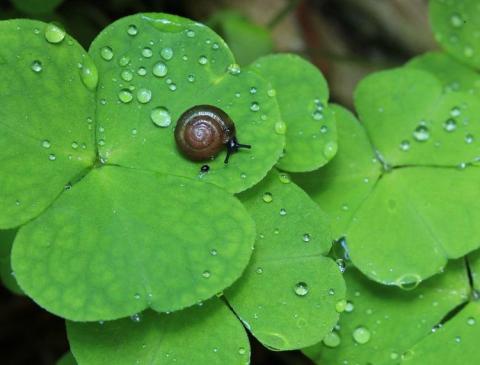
<point>302,94</point>
<point>455,25</point>
<point>46,131</point>
<point>453,75</point>
<point>207,334</point>
<point>6,275</point>
<point>154,67</point>
<point>342,185</point>
<point>123,240</point>
<point>247,40</point>
<point>380,325</point>
<point>411,122</point>
<point>405,218</point>
<point>287,295</point>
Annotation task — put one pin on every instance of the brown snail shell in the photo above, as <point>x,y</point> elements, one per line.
<point>203,131</point>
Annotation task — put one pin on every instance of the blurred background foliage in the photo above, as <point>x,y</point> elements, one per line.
<point>346,39</point>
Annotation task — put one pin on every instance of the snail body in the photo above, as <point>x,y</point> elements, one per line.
<point>203,131</point>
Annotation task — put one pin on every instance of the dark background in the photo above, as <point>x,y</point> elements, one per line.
<point>346,39</point>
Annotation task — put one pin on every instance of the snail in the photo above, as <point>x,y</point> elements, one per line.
<point>203,130</point>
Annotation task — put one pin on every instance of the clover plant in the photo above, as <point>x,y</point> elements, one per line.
<point>156,259</point>
<point>131,242</point>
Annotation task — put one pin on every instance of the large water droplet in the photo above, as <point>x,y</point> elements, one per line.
<point>409,281</point>
<point>125,96</point>
<point>161,117</point>
<point>301,289</point>
<point>203,60</point>
<point>450,125</point>
<point>160,69</point>
<point>106,53</point>
<point>332,340</point>
<point>421,133</point>
<point>132,30</point>
<point>361,335</point>
<point>89,74</point>
<point>144,95</point>
<point>284,178</point>
<point>54,33</point>
<point>166,53</point>
<point>267,197</point>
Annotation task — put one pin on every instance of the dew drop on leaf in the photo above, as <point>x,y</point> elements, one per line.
<point>456,20</point>
<point>126,75</point>
<point>160,69</point>
<point>142,71</point>
<point>455,112</point>
<point>306,237</point>
<point>144,96</point>
<point>405,145</point>
<point>106,53</point>
<point>259,270</point>
<point>37,66</point>
<point>349,307</point>
<point>206,274</point>
<point>469,138</point>
<point>421,133</point>
<point>161,117</point>
<point>132,30</point>
<point>301,289</point>
<point>166,53</point>
<point>54,33</point>
<point>147,52</point>
<point>332,340</point>
<point>267,197</point>
<point>409,281</point>
<point>213,252</point>
<point>341,306</point>
<point>89,75</point>
<point>280,127</point>
<point>450,125</point>
<point>471,321</point>
<point>330,149</point>
<point>361,335</point>
<point>46,144</point>
<point>136,317</point>
<point>283,212</point>
<point>284,178</point>
<point>125,96</point>
<point>52,157</point>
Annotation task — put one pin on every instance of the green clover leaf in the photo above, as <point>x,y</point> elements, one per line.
<point>153,338</point>
<point>311,136</point>
<point>107,205</point>
<point>453,75</point>
<point>280,297</point>
<point>455,25</point>
<point>382,325</point>
<point>411,202</point>
<point>6,277</point>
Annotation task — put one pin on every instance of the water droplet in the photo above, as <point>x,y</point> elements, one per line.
<point>147,52</point>
<point>215,46</point>
<point>306,237</point>
<point>405,145</point>
<point>160,69</point>
<point>213,252</point>
<point>234,69</point>
<point>450,125</point>
<point>468,51</point>
<point>284,178</point>
<point>280,127</point>
<point>332,340</point>
<point>172,87</point>
<point>323,129</point>
<point>106,53</point>
<point>421,133</point>
<point>191,78</point>
<point>125,96</point>
<point>52,157</point>
<point>331,291</point>
<point>253,90</point>
<point>46,144</point>
<point>132,30</point>
<point>137,296</point>
<point>206,274</point>
<point>126,75</point>
<point>124,61</point>
<point>161,117</point>
<point>267,197</point>
<point>37,66</point>
<point>74,145</point>
<point>455,112</point>
<point>409,281</point>
<point>341,306</point>
<point>259,270</point>
<point>243,175</point>
<point>190,33</point>
<point>458,339</point>
<point>283,212</point>
<point>54,33</point>
<point>471,321</point>
<point>142,71</point>
<point>469,138</point>
<point>136,317</point>
<point>144,95</point>
<point>456,20</point>
<point>166,53</point>
<point>317,115</point>
<point>361,335</point>
<point>301,289</point>
<point>349,307</point>
<point>342,266</point>
<point>330,150</point>
<point>394,356</point>
<point>89,74</point>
